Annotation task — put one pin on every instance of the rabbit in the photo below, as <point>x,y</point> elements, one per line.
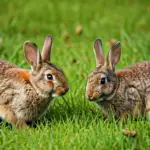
<point>121,92</point>
<point>26,94</point>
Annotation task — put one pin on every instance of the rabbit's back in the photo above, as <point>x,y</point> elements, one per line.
<point>141,73</point>
<point>141,68</point>
<point>16,91</point>
<point>5,65</point>
<point>6,83</point>
<point>137,75</point>
<point>134,88</point>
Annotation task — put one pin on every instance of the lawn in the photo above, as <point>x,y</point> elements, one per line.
<point>74,123</point>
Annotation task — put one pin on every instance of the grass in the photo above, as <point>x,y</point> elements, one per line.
<point>76,123</point>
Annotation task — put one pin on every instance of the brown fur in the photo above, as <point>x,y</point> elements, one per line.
<point>26,94</point>
<point>127,91</point>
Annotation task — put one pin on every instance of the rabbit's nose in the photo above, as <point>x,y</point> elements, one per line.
<point>65,91</point>
<point>93,96</point>
<point>61,91</point>
<point>89,96</point>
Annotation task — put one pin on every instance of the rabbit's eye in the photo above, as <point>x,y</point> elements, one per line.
<point>49,77</point>
<point>103,80</point>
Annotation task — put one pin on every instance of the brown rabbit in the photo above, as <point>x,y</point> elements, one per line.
<point>26,94</point>
<point>122,92</point>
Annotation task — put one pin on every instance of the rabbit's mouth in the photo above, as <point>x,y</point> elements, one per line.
<point>93,97</point>
<point>59,91</point>
<point>101,98</point>
<point>97,97</point>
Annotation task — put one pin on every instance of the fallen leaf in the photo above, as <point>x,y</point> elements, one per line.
<point>128,132</point>
<point>133,133</point>
<point>82,75</point>
<point>111,42</point>
<point>79,29</point>
<point>65,36</point>
<point>74,61</point>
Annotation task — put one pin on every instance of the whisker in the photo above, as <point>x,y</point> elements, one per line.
<point>66,102</point>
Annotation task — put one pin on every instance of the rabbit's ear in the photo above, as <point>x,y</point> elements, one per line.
<point>46,51</point>
<point>113,56</point>
<point>99,55</point>
<point>32,54</point>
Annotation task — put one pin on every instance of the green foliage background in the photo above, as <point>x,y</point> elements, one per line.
<point>73,122</point>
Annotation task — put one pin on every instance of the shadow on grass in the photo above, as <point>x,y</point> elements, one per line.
<point>85,112</point>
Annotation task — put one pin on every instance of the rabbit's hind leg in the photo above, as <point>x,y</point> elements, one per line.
<point>7,113</point>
